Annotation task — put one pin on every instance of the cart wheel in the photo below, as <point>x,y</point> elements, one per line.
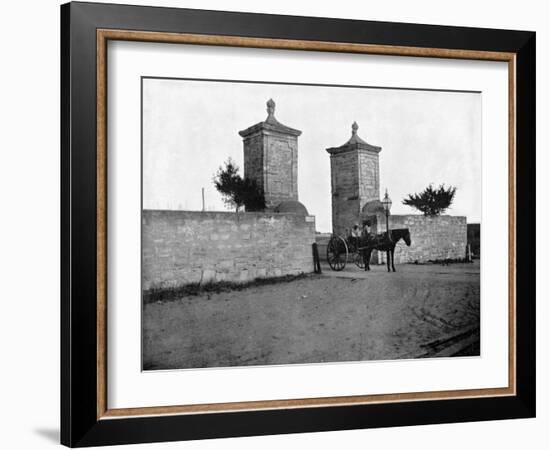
<point>337,253</point>
<point>358,260</point>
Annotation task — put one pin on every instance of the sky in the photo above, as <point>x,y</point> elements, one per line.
<point>191,127</point>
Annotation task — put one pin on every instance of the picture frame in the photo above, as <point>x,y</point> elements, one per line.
<point>86,418</point>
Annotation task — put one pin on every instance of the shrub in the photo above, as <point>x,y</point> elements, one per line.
<point>432,201</point>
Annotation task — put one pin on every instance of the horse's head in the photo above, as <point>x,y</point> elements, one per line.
<point>407,237</point>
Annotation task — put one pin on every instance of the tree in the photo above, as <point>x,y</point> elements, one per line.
<point>237,191</point>
<point>432,201</point>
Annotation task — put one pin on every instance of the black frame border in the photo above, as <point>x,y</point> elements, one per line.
<point>79,423</point>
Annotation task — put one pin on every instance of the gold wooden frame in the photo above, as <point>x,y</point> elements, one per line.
<point>104,35</point>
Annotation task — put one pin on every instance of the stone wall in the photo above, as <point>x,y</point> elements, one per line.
<point>254,159</point>
<point>432,238</point>
<point>271,159</point>
<point>182,247</point>
<point>282,168</point>
<point>345,194</point>
<point>369,178</point>
<point>354,182</point>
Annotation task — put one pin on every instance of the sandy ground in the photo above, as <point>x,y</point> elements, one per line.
<point>345,316</point>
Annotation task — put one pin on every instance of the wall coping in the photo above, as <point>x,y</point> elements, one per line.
<point>426,217</point>
<point>228,214</point>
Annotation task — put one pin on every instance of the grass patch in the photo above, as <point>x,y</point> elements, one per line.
<point>193,289</point>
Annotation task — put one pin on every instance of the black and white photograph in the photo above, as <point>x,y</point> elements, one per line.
<point>306,224</point>
<point>298,225</point>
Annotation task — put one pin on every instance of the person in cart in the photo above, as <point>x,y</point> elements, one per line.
<point>366,233</point>
<point>355,235</point>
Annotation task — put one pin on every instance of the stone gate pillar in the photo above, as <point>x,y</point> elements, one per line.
<point>355,180</point>
<point>271,158</point>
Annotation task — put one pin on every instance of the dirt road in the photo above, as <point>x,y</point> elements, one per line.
<point>347,316</point>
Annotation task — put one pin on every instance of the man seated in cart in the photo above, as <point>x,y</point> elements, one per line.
<point>366,232</point>
<point>355,235</point>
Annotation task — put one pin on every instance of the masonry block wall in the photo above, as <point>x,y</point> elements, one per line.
<point>346,206</point>
<point>271,158</point>
<point>433,238</point>
<point>369,170</point>
<point>355,180</point>
<point>253,156</point>
<point>182,247</point>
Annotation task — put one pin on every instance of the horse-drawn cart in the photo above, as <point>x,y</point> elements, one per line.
<point>340,250</point>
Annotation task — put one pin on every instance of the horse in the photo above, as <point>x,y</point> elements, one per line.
<point>385,242</point>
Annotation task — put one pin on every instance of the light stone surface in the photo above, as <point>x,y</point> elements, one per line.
<point>355,180</point>
<point>271,158</point>
<point>182,247</point>
<point>432,238</point>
